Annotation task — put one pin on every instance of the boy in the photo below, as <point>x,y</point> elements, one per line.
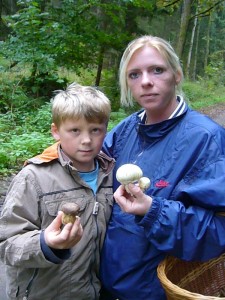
<point>45,259</point>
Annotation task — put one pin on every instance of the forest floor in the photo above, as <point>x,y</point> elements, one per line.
<point>215,112</point>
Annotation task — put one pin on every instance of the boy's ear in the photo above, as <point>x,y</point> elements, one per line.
<point>55,132</point>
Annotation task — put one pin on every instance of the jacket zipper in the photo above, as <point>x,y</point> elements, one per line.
<point>27,292</point>
<point>95,213</point>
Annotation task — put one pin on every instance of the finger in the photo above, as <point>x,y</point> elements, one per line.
<point>135,190</point>
<point>120,191</point>
<point>76,228</point>
<point>70,230</point>
<point>56,223</point>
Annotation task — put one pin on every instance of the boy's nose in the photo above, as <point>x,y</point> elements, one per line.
<point>86,138</point>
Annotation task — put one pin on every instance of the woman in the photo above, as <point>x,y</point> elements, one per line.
<point>183,153</point>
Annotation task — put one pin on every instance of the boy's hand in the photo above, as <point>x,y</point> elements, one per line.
<point>138,203</point>
<point>63,238</point>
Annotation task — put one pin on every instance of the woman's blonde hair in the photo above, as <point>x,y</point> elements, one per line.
<point>163,47</point>
<point>79,101</point>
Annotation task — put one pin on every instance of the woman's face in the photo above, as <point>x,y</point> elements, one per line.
<point>152,83</point>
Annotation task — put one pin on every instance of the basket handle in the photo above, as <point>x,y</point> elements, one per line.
<point>221,213</point>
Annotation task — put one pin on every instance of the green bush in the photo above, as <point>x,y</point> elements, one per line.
<point>19,148</point>
<point>203,93</point>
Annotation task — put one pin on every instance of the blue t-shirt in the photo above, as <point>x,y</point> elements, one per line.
<point>91,178</point>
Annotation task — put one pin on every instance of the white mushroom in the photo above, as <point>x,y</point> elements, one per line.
<point>130,173</point>
<point>144,183</point>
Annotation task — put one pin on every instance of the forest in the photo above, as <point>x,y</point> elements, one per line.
<point>46,44</point>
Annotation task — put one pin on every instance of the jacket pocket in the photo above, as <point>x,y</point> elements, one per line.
<point>53,205</point>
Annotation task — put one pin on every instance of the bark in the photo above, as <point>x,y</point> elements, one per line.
<point>196,51</point>
<point>191,45</point>
<point>100,66</point>
<point>207,43</point>
<point>185,17</point>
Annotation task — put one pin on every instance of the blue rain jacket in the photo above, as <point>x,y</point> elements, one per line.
<point>185,159</point>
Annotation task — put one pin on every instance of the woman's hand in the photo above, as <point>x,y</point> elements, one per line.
<point>135,202</point>
<point>63,238</point>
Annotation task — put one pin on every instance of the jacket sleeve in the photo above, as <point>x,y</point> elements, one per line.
<point>190,224</point>
<point>20,225</point>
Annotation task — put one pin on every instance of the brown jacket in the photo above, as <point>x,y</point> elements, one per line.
<point>32,202</point>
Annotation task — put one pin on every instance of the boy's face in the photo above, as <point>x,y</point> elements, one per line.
<point>81,141</point>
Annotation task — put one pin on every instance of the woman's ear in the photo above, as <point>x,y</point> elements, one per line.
<point>178,77</point>
<point>55,132</point>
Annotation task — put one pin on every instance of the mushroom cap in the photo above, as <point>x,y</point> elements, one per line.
<point>70,208</point>
<point>144,183</point>
<point>128,173</point>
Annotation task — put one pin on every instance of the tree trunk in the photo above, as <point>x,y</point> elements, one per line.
<point>196,51</point>
<point>100,66</point>
<point>191,45</point>
<point>185,17</point>
<point>207,43</point>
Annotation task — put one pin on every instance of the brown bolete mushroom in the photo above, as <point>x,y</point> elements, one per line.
<point>70,212</point>
<point>130,173</point>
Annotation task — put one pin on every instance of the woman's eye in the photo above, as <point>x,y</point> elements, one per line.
<point>158,70</point>
<point>133,75</point>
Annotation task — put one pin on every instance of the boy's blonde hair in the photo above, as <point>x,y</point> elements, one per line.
<point>163,47</point>
<point>79,101</point>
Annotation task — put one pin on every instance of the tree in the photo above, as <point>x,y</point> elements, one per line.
<point>196,52</point>
<point>191,44</point>
<point>73,34</point>
<point>185,17</point>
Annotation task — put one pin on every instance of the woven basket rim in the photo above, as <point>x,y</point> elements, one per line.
<point>173,290</point>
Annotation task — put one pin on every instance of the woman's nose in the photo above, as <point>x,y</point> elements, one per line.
<point>146,79</point>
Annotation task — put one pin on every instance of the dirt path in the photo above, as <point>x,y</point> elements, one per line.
<point>216,112</point>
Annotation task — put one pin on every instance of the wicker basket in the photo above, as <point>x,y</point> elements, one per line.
<point>193,280</point>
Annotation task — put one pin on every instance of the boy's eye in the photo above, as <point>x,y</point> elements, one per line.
<point>96,130</point>
<point>75,130</point>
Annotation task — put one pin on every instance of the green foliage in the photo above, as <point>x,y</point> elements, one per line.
<point>31,28</point>
<point>71,35</point>
<point>116,117</point>
<point>22,136</point>
<point>110,87</point>
<point>19,148</point>
<point>203,93</point>
<point>11,94</point>
<point>43,84</point>
<point>215,70</point>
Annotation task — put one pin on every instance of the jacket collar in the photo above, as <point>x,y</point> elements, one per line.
<point>155,131</point>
